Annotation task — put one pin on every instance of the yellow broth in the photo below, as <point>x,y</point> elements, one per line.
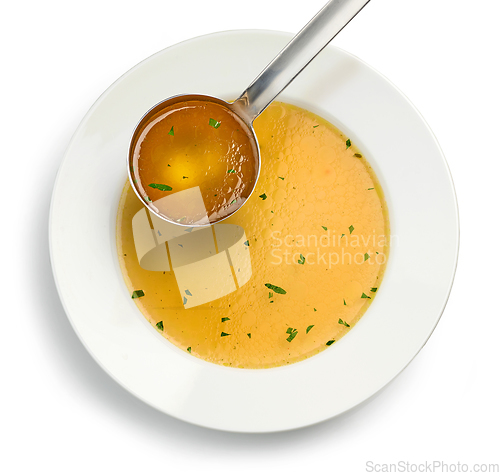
<point>194,144</point>
<point>295,268</point>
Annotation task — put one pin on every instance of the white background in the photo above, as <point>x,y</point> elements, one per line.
<point>61,414</point>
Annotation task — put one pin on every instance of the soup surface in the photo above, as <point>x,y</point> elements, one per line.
<point>283,278</point>
<point>200,148</point>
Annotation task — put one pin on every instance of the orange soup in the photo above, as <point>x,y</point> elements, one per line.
<point>200,148</point>
<point>288,274</point>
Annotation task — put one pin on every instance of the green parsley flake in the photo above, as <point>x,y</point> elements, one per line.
<point>292,335</point>
<point>358,156</point>
<point>231,171</point>
<point>309,328</point>
<point>274,288</point>
<point>271,295</point>
<point>233,202</point>
<point>224,319</point>
<point>160,186</point>
<point>171,132</point>
<point>324,227</point>
<point>348,143</point>
<point>160,325</point>
<point>345,303</point>
<point>249,335</point>
<point>246,243</point>
<point>148,199</point>
<point>314,309</point>
<point>215,124</point>
<point>370,189</point>
<point>364,296</point>
<point>184,300</point>
<point>330,342</point>
<point>137,293</point>
<point>189,349</point>
<point>373,290</point>
<point>343,323</point>
<point>263,196</point>
<point>289,330</point>
<point>314,127</point>
<point>223,334</point>
<point>302,260</point>
<point>188,292</point>
<point>282,178</point>
<point>342,235</point>
<point>367,256</point>
<point>351,229</point>
<point>183,177</point>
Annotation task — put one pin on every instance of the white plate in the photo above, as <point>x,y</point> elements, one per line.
<point>423,215</point>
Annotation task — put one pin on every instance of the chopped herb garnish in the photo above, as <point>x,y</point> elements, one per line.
<point>309,328</point>
<point>249,335</point>
<point>370,189</point>
<point>148,199</point>
<point>246,243</point>
<point>160,186</point>
<point>274,288</point>
<point>271,295</point>
<point>342,235</point>
<point>330,342</point>
<point>345,303</point>
<point>188,292</point>
<point>324,227</point>
<point>314,309</point>
<point>224,334</point>
<point>184,301</point>
<point>160,325</point>
<point>364,296</point>
<point>224,319</point>
<point>171,132</point>
<point>351,229</point>
<point>231,171</point>
<point>263,196</point>
<point>215,124</point>
<point>348,143</point>
<point>293,333</point>
<point>137,293</point>
<point>189,349</point>
<point>302,260</point>
<point>343,323</point>
<point>282,178</point>
<point>358,156</point>
<point>367,256</point>
<point>184,177</point>
<point>233,202</point>
<point>373,290</point>
<point>317,125</point>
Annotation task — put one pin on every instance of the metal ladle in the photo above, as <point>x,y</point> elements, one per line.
<point>277,75</point>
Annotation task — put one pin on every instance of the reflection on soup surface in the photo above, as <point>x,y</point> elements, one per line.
<point>283,278</point>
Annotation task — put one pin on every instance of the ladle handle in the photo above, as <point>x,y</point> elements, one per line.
<point>296,55</point>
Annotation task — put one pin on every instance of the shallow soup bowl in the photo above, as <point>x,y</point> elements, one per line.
<point>421,264</point>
